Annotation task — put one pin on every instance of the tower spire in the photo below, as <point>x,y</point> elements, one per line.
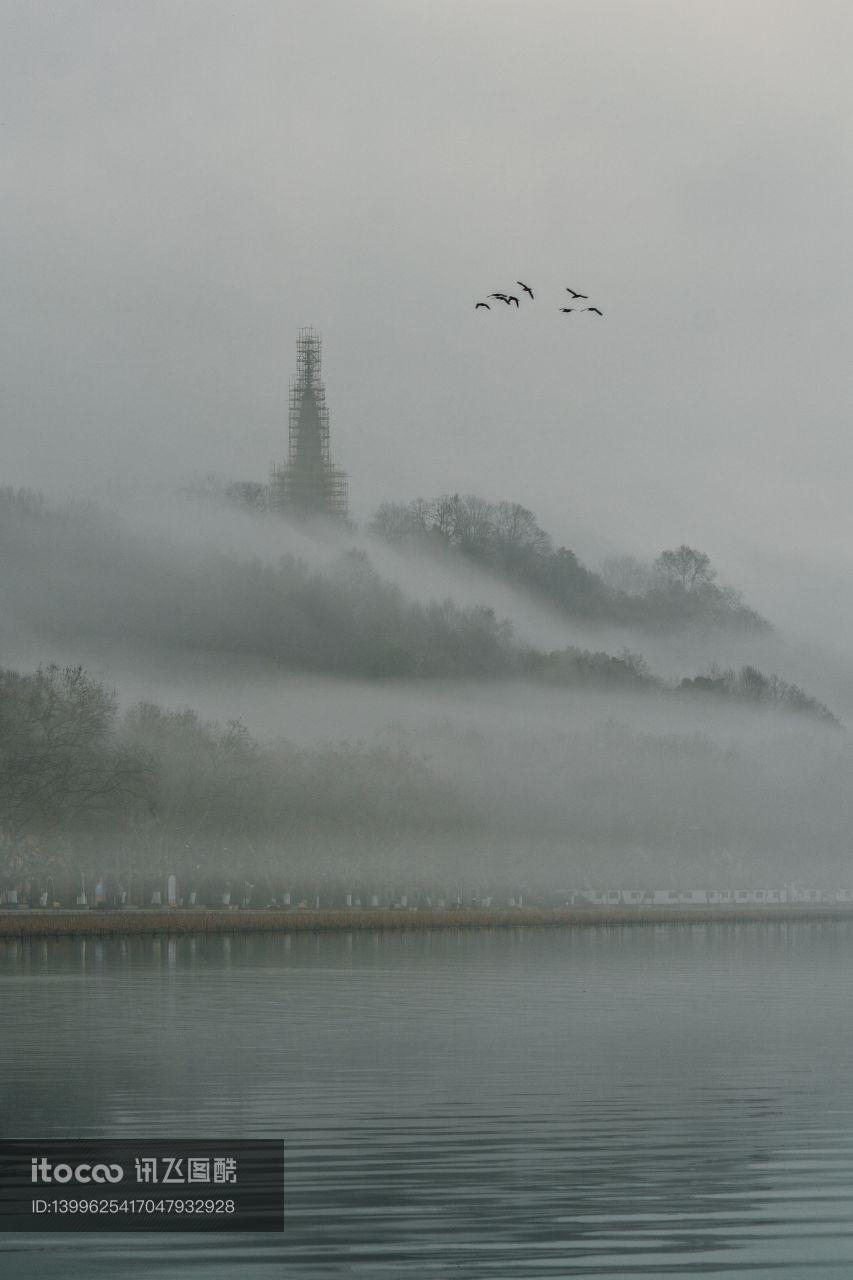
<point>308,483</point>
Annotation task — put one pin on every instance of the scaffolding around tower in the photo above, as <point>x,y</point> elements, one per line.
<point>308,483</point>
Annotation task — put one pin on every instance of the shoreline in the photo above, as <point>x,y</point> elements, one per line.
<point>102,922</point>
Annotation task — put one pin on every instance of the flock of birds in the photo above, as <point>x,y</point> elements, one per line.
<point>510,298</point>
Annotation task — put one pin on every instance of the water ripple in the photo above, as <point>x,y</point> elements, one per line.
<point>605,1103</point>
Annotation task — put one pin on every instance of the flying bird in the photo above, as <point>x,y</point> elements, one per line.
<point>567,308</point>
<point>511,298</point>
<point>595,309</point>
<point>577,295</point>
<point>483,304</point>
<point>502,296</point>
<point>525,287</point>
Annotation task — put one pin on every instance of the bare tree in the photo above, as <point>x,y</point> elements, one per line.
<point>396,522</point>
<point>474,532</point>
<point>444,516</point>
<point>519,541</point>
<point>686,567</point>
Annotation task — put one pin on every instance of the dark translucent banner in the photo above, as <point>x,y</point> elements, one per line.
<point>146,1185</point>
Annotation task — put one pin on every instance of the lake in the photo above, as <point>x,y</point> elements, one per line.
<point>669,1100</point>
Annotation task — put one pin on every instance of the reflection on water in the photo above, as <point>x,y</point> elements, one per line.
<point>619,1101</point>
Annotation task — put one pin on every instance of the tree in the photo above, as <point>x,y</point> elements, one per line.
<point>519,543</point>
<point>396,522</point>
<point>443,517</point>
<point>60,763</point>
<point>685,567</point>
<point>571,585</point>
<point>473,531</point>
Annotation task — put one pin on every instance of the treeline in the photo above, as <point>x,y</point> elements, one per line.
<point>753,686</point>
<point>151,791</point>
<point>505,538</point>
<point>90,791</point>
<point>580,667</point>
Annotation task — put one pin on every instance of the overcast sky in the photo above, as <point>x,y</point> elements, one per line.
<point>187,183</point>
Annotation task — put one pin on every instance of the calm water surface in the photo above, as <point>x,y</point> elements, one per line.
<point>644,1101</point>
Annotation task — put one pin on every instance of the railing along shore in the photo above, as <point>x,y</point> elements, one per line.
<point>45,923</point>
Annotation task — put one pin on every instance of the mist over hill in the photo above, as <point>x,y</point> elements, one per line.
<point>78,572</point>
<point>676,591</point>
<point>230,698</point>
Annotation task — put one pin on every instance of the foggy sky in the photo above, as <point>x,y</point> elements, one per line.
<point>187,185</point>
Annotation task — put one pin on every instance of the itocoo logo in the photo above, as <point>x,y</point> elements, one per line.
<point>43,1171</point>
